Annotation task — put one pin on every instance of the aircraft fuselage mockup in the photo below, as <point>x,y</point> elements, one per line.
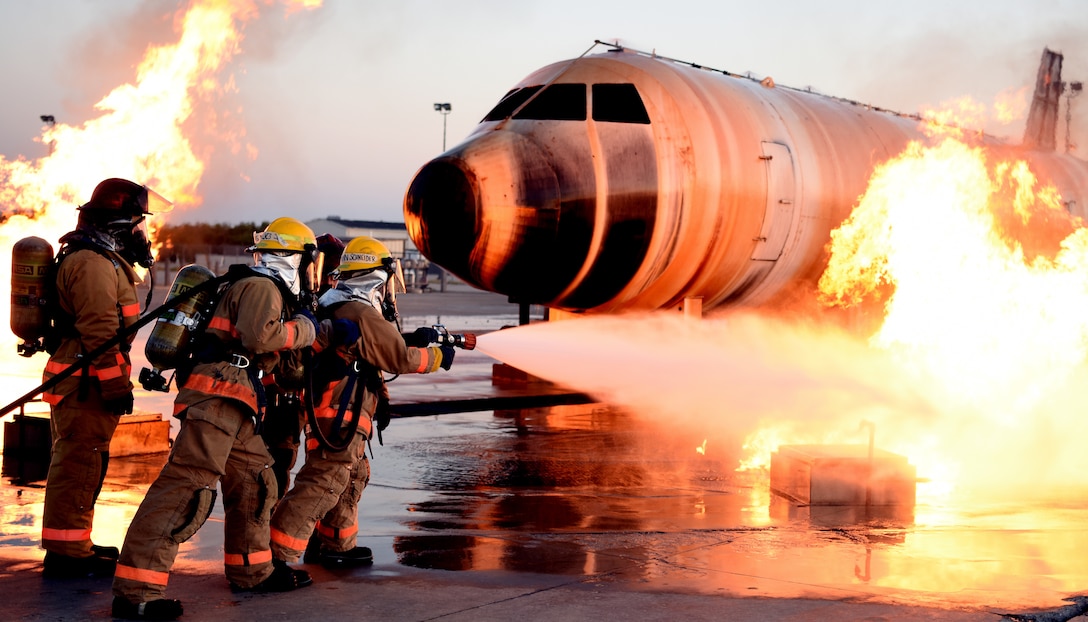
<point>626,181</point>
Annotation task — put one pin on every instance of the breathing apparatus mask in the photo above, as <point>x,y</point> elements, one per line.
<point>298,271</point>
<point>372,288</point>
<point>282,265</point>
<point>376,287</point>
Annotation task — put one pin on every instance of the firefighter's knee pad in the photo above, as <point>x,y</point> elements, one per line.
<point>200,508</point>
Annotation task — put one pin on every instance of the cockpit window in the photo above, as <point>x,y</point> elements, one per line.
<point>615,103</point>
<point>619,103</point>
<point>557,102</point>
<point>510,102</point>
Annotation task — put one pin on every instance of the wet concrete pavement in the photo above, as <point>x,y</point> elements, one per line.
<point>580,512</point>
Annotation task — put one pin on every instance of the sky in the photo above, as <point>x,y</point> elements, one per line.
<point>337,103</point>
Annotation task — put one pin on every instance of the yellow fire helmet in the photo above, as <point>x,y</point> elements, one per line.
<point>284,234</point>
<point>364,254</point>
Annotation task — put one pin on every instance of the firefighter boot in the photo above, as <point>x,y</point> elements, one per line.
<point>283,579</point>
<point>110,552</point>
<point>162,609</point>
<point>358,556</point>
<point>57,566</point>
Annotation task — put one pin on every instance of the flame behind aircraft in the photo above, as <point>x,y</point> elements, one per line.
<point>624,180</point>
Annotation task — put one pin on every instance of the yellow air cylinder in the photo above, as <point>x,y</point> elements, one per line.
<point>31,258</point>
<point>169,342</point>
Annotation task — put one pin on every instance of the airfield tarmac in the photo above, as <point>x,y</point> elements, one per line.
<point>577,512</point>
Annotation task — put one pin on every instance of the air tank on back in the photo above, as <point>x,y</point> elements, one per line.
<point>169,343</point>
<point>624,180</point>
<point>31,258</point>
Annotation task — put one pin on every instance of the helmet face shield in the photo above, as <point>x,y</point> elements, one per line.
<point>155,203</point>
<point>117,196</point>
<point>394,286</point>
<point>310,270</point>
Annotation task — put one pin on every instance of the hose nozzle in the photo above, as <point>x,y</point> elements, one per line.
<point>466,341</point>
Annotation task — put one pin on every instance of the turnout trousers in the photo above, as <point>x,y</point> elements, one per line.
<point>217,443</point>
<point>325,496</point>
<point>80,455</point>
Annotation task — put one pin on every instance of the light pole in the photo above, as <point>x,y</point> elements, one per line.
<point>444,110</point>
<point>1075,88</point>
<point>49,121</point>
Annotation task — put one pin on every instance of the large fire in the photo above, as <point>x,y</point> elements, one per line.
<point>982,274</point>
<point>984,297</point>
<point>141,134</point>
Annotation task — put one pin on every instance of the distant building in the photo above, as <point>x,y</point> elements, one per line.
<point>393,234</point>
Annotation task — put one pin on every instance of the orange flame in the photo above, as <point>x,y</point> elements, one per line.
<point>1010,106</point>
<point>139,135</point>
<point>938,224</point>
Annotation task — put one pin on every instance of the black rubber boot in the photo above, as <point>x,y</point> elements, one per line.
<point>283,579</point>
<point>57,566</point>
<point>110,552</point>
<point>162,609</point>
<point>358,556</point>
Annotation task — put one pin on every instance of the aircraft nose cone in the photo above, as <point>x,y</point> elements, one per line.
<point>440,211</point>
<point>490,214</point>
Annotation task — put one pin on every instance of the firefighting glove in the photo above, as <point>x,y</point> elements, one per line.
<point>309,315</point>
<point>382,414</point>
<point>120,405</point>
<point>422,337</point>
<point>447,357</point>
<point>345,332</point>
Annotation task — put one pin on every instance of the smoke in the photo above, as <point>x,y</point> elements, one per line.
<point>99,59</point>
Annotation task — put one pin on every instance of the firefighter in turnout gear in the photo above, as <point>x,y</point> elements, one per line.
<point>363,342</point>
<point>95,299</point>
<point>281,432</point>
<point>221,403</point>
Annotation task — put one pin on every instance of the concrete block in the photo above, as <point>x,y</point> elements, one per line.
<point>140,433</point>
<point>28,436</point>
<point>503,375</point>
<point>842,475</point>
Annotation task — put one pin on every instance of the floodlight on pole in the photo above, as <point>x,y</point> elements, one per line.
<point>49,121</point>
<point>444,110</point>
<point>1075,89</point>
